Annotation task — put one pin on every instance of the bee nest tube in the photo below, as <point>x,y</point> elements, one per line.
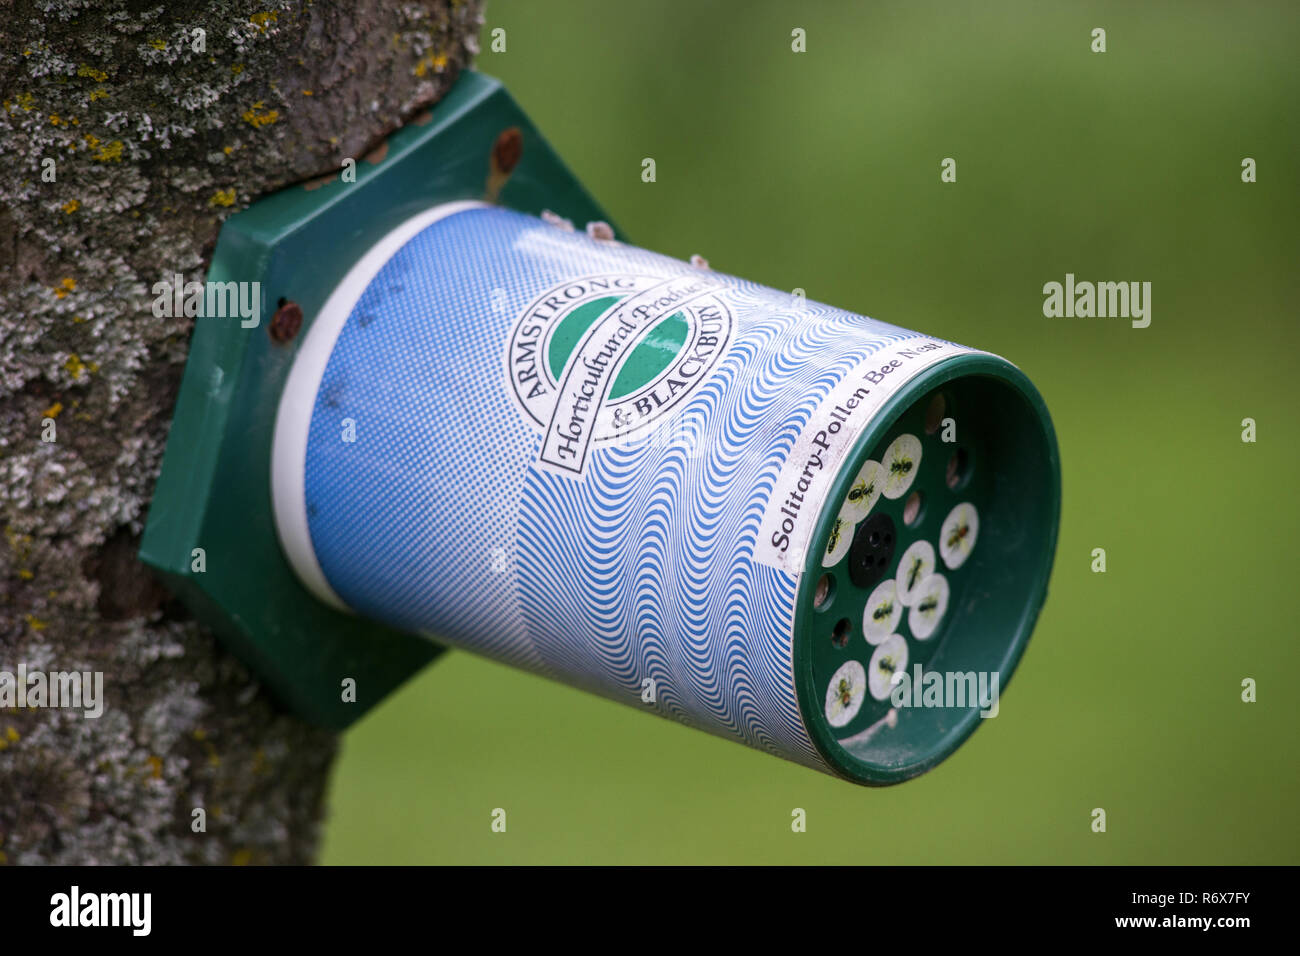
<point>690,493</point>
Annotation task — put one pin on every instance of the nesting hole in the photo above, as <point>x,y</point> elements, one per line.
<point>958,468</point>
<point>934,413</point>
<point>912,509</point>
<point>824,593</point>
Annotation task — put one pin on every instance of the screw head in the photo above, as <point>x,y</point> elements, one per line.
<point>508,150</point>
<point>286,322</point>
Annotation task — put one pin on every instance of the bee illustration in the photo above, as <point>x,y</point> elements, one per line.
<point>845,692</point>
<point>914,573</point>
<point>882,612</point>
<point>835,538</point>
<point>862,490</point>
<point>929,604</point>
<point>887,664</point>
<point>900,466</point>
<point>958,533</point>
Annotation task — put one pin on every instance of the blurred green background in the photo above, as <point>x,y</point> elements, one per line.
<point>821,170</point>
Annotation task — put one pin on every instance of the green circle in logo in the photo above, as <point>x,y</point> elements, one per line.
<point>658,347</point>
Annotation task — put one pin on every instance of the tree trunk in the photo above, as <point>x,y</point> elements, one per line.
<point>160,121</point>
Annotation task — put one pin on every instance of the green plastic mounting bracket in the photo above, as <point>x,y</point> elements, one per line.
<point>214,490</point>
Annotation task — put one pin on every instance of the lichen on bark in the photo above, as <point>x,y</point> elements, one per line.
<point>160,121</point>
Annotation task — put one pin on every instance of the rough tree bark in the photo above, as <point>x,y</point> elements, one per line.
<point>161,121</point>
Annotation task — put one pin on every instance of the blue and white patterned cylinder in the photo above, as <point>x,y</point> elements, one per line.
<point>584,459</point>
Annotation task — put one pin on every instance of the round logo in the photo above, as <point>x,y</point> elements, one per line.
<point>601,357</point>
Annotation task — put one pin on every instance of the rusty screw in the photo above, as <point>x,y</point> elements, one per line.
<point>507,150</point>
<point>286,322</point>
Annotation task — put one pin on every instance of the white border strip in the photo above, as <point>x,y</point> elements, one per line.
<point>824,443</point>
<point>293,418</point>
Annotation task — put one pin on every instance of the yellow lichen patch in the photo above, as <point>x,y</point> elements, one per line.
<point>434,61</point>
<point>107,152</point>
<point>55,120</point>
<point>99,76</point>
<point>64,287</point>
<point>155,767</point>
<point>242,857</point>
<point>26,574</point>
<point>308,93</point>
<point>75,367</point>
<point>258,115</point>
<point>227,149</point>
<point>237,69</point>
<point>35,623</point>
<point>71,206</point>
<point>262,20</point>
<point>19,542</point>
<point>53,410</point>
<point>222,197</point>
<point>158,44</point>
<point>3,744</point>
<point>12,735</point>
<point>98,93</point>
<point>26,102</point>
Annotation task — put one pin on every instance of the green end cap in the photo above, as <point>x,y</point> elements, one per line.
<point>1004,462</point>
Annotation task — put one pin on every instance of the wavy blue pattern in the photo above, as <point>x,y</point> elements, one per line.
<point>437,518</point>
